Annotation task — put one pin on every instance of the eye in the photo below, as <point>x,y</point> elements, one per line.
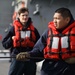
<point>26,15</point>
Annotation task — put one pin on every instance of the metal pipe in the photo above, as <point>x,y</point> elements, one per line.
<point>27,58</point>
<point>8,57</point>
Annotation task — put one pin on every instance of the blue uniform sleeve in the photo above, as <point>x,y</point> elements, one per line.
<point>37,34</point>
<point>39,46</point>
<point>7,40</point>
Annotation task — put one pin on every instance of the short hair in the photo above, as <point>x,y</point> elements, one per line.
<point>65,12</point>
<point>22,10</point>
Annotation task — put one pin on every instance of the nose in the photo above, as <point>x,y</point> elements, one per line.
<point>54,20</point>
<point>24,16</point>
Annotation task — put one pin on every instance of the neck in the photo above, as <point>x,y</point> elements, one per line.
<point>23,24</point>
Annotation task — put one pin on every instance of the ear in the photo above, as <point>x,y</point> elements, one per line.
<point>67,19</point>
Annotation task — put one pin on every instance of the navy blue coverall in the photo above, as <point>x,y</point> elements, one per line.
<point>19,67</point>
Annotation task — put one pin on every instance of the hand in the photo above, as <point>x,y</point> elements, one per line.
<point>23,56</point>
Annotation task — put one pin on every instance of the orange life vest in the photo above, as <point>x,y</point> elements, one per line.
<point>24,37</point>
<point>60,46</point>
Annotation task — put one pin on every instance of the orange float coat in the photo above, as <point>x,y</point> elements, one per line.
<point>60,45</point>
<point>26,40</point>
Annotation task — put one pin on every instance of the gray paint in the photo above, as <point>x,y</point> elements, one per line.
<point>47,8</point>
<point>40,21</point>
<point>6,11</point>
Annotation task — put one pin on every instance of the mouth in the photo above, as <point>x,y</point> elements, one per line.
<point>25,20</point>
<point>55,24</point>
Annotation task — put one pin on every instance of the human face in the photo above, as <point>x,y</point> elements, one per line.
<point>23,17</point>
<point>59,21</point>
